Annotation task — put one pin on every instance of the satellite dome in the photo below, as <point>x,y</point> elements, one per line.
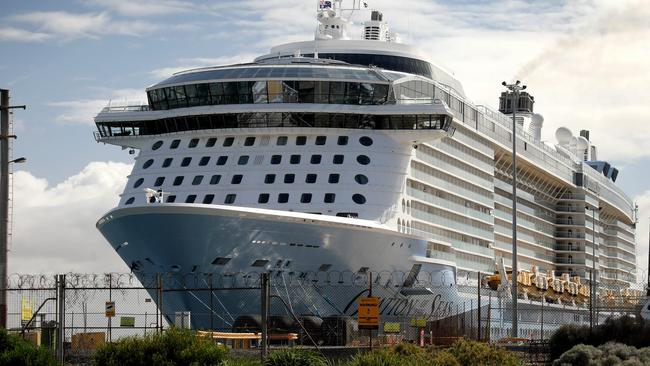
<point>563,136</point>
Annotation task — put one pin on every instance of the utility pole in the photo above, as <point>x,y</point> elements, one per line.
<point>4,197</point>
<point>515,89</point>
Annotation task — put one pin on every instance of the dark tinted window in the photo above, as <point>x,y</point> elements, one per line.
<point>190,199</point>
<point>156,145</point>
<point>215,179</point>
<point>320,140</point>
<point>197,180</point>
<point>222,160</point>
<point>269,179</point>
<point>147,164</point>
<point>186,161</point>
<point>315,159</point>
<point>211,142</point>
<point>283,198</point>
<point>130,201</point>
<point>228,141</point>
<point>249,141</point>
<point>171,198</point>
<point>295,159</point>
<point>333,178</point>
<point>230,199</point>
<point>243,160</point>
<point>159,181</point>
<point>167,162</point>
<point>363,160</point>
<point>329,197</point>
<point>208,199</point>
<point>343,140</point>
<point>175,144</point>
<point>310,178</point>
<point>138,183</point>
<point>276,159</point>
<point>365,141</point>
<point>236,179</point>
<point>305,198</point>
<point>361,179</point>
<point>358,199</point>
<point>282,140</point>
<point>263,198</point>
<point>289,178</point>
<point>193,143</point>
<point>204,161</point>
<point>338,159</point>
<point>301,140</point>
<point>178,180</point>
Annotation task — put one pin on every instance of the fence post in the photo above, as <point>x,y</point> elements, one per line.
<point>211,304</point>
<point>591,299</point>
<point>60,285</point>
<point>110,298</point>
<point>479,305</point>
<point>265,313</point>
<point>160,302</point>
<point>541,323</point>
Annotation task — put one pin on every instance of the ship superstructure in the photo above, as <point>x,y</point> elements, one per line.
<point>354,155</point>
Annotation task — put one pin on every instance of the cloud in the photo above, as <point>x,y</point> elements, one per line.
<point>67,26</point>
<point>145,7</point>
<point>54,226</point>
<point>193,63</point>
<point>12,34</point>
<point>642,228</point>
<point>83,111</point>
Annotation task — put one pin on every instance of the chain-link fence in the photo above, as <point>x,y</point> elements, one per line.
<point>310,309</point>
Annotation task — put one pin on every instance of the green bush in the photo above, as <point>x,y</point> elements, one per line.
<point>15,351</point>
<point>293,357</point>
<point>173,347</point>
<point>380,357</point>
<point>469,353</point>
<point>608,354</point>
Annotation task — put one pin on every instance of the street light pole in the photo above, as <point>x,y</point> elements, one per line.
<point>515,89</point>
<point>4,198</point>
<point>592,287</point>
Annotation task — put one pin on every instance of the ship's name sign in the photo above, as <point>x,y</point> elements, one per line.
<point>438,308</point>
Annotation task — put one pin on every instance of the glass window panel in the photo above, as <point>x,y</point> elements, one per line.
<point>260,92</point>
<point>275,91</point>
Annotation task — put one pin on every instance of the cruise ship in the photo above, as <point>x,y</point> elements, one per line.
<point>354,156</point>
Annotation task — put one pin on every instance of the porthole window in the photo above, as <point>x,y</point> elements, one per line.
<point>295,159</point>
<point>230,199</point>
<point>276,159</point>
<point>175,144</point>
<point>365,141</point>
<point>363,160</point>
<point>305,198</point>
<point>228,141</point>
<point>186,161</point>
<point>329,198</point>
<point>157,145</point>
<point>159,181</point>
<point>191,198</point>
<point>204,161</point>
<point>301,140</point>
<point>283,198</point>
<point>263,198</point>
<point>130,201</point>
<point>310,178</point>
<point>171,198</point>
<point>289,178</point>
<point>342,140</point>
<point>222,160</point>
<point>167,162</point>
<point>320,140</point>
<point>178,180</point>
<point>361,179</point>
<point>208,199</point>
<point>338,159</point>
<point>315,159</point>
<point>269,179</point>
<point>243,160</point>
<point>147,164</point>
<point>282,140</point>
<point>197,180</point>
<point>333,178</point>
<point>193,143</point>
<point>211,142</point>
<point>358,199</point>
<point>215,179</point>
<point>138,183</point>
<point>236,179</point>
<point>250,141</point>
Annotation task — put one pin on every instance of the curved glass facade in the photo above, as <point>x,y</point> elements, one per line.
<point>272,91</point>
<point>279,119</point>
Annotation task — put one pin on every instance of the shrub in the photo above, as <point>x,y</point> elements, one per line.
<point>380,357</point>
<point>15,351</point>
<point>469,353</point>
<point>293,357</point>
<point>609,354</point>
<point>173,347</point>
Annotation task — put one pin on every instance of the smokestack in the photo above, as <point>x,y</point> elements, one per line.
<point>585,134</point>
<point>525,104</point>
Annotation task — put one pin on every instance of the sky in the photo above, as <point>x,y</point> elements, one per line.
<point>585,61</point>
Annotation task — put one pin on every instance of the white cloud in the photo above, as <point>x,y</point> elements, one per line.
<point>13,34</point>
<point>83,111</point>
<point>193,63</point>
<point>642,228</point>
<point>54,226</point>
<point>145,7</point>
<point>65,25</point>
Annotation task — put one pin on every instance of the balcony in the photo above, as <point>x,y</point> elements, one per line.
<point>569,235</point>
<point>569,248</point>
<point>566,260</point>
<point>570,208</point>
